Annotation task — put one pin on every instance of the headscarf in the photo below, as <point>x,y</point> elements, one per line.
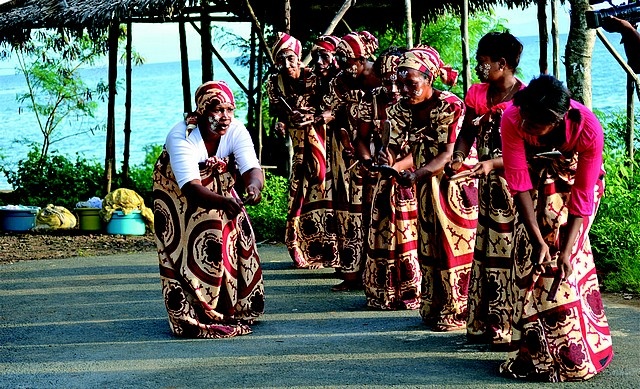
<point>357,44</point>
<point>286,42</point>
<point>326,42</point>
<point>389,64</point>
<point>210,91</point>
<point>206,93</point>
<point>427,60</point>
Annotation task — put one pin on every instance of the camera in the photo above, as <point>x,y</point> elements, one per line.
<point>629,12</point>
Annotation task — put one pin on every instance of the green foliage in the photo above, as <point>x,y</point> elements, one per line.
<point>445,36</point>
<point>60,181</point>
<point>54,179</point>
<point>269,217</point>
<point>615,234</point>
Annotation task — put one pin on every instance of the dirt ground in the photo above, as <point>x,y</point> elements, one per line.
<point>69,243</point>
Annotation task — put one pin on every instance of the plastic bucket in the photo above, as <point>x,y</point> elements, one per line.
<point>89,219</point>
<point>131,224</point>
<point>18,219</point>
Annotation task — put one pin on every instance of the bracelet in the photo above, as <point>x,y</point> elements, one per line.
<point>459,154</point>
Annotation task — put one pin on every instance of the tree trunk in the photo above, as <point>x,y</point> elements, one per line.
<point>578,53</point>
<point>110,152</point>
<point>287,16</point>
<point>543,34</point>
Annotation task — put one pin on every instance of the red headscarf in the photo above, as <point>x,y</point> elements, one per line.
<point>427,60</point>
<point>357,44</point>
<point>326,42</point>
<point>284,42</point>
<point>206,93</point>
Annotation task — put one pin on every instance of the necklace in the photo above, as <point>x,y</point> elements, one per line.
<point>504,98</point>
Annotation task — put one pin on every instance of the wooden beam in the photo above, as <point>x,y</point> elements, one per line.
<point>223,61</point>
<point>265,46</point>
<point>205,43</point>
<point>336,19</point>
<point>110,152</point>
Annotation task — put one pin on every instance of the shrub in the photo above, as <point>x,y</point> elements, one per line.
<point>269,217</point>
<point>54,179</point>
<point>615,235</point>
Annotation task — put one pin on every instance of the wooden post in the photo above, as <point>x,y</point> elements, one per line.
<point>336,19</point>
<point>544,36</point>
<point>555,39</point>
<point>127,107</point>
<point>464,34</point>
<point>205,43</point>
<point>110,152</point>
<point>287,16</point>
<point>184,67</point>
<point>407,11</point>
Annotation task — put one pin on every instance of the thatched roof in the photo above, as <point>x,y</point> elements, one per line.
<point>18,17</point>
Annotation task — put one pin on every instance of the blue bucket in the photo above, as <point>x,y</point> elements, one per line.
<point>18,218</point>
<point>131,224</point>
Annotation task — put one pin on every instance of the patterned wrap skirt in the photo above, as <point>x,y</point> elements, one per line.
<point>489,304</point>
<point>392,275</point>
<point>208,262</point>
<point>310,231</point>
<point>447,220</point>
<point>560,331</point>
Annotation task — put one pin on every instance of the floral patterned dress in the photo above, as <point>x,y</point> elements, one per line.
<point>447,212</point>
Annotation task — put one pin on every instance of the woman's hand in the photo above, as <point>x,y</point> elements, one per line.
<point>231,206</point>
<point>482,169</point>
<point>280,128</point>
<point>564,266</point>
<point>406,178</point>
<point>384,157</point>
<point>254,195</point>
<point>541,255</point>
<point>451,167</point>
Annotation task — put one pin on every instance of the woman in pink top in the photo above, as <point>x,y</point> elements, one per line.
<point>490,311</point>
<point>552,152</point>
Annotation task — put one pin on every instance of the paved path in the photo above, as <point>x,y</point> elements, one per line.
<point>100,322</point>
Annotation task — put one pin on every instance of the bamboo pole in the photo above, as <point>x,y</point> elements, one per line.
<point>336,19</point>
<point>625,66</point>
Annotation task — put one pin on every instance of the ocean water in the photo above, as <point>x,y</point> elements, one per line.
<point>157,104</point>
